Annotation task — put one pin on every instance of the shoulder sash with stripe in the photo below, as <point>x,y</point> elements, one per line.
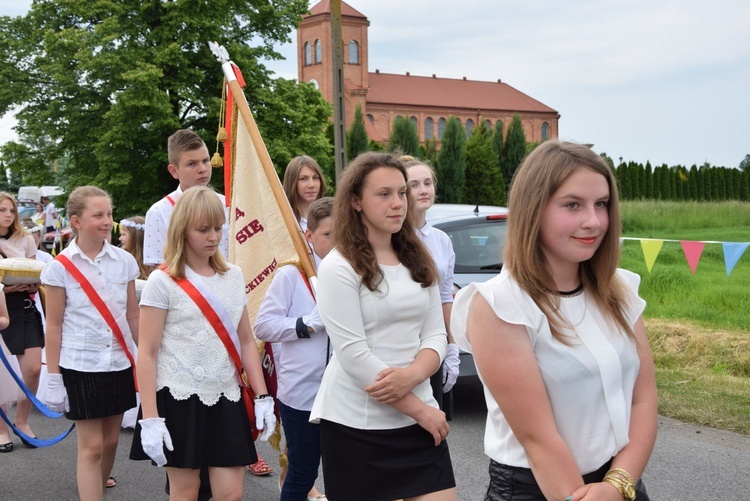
<point>217,315</point>
<point>101,307</point>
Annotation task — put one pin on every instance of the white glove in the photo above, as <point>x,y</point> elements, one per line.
<point>57,396</point>
<point>154,437</point>
<point>450,367</point>
<point>314,321</point>
<point>265,419</point>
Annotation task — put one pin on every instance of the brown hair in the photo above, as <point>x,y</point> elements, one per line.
<point>291,175</point>
<point>136,244</point>
<point>77,201</point>
<point>181,141</point>
<point>318,211</point>
<point>350,234</point>
<point>16,228</point>
<point>535,181</point>
<point>196,206</point>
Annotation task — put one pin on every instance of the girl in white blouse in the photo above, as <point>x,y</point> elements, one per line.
<point>423,181</point>
<point>90,375</point>
<point>559,340</point>
<point>382,435</point>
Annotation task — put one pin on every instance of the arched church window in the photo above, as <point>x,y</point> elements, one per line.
<point>545,131</point>
<point>308,54</point>
<point>428,125</point>
<point>318,52</point>
<point>441,128</point>
<point>353,52</point>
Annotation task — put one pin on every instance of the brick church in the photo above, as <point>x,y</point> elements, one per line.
<point>427,100</point>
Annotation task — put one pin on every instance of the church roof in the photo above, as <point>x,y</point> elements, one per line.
<point>324,7</point>
<point>410,90</point>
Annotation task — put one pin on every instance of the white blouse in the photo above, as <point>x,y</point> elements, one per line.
<point>371,331</point>
<point>440,246</point>
<point>192,360</point>
<point>590,384</point>
<point>87,343</point>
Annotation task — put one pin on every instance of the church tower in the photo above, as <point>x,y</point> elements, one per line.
<point>314,59</point>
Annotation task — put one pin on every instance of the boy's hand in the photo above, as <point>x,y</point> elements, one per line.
<point>313,321</point>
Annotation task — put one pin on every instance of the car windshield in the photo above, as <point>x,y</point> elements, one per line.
<point>478,246</point>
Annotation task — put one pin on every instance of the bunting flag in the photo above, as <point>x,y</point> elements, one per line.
<point>693,251</point>
<point>651,249</point>
<point>732,253</point>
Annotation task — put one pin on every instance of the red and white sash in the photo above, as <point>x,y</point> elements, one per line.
<point>217,315</point>
<point>105,304</point>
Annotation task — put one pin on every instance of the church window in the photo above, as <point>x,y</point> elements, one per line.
<point>371,118</point>
<point>318,52</point>
<point>469,127</point>
<point>545,131</point>
<point>441,128</point>
<point>428,124</point>
<point>487,125</point>
<point>308,54</point>
<point>353,52</point>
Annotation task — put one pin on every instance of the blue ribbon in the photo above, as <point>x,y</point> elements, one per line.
<point>38,442</point>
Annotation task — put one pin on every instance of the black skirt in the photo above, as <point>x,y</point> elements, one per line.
<point>219,435</point>
<point>94,395</point>
<point>382,465</point>
<point>25,328</point>
<point>514,483</point>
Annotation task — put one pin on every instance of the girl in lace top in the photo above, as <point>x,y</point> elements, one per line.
<point>191,399</point>
<point>559,341</point>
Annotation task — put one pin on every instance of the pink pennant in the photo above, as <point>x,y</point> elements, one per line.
<point>693,251</point>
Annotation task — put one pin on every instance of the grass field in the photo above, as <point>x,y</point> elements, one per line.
<point>699,325</point>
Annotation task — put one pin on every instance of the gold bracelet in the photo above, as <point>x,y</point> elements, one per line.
<point>627,476</point>
<point>624,487</point>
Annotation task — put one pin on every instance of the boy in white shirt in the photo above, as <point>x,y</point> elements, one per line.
<point>288,317</point>
<point>190,164</point>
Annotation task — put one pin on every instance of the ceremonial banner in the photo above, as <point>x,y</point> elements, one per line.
<point>263,232</point>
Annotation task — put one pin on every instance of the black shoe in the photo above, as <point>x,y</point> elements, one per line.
<point>6,447</point>
<point>25,442</point>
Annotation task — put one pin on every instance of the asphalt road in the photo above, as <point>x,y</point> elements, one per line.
<point>689,463</point>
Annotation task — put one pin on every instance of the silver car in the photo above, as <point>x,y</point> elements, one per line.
<point>478,237</point>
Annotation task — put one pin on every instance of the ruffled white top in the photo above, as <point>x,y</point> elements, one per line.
<point>590,384</point>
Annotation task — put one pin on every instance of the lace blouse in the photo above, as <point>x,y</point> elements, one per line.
<point>192,359</point>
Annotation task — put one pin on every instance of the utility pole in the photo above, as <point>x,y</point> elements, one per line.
<point>339,131</point>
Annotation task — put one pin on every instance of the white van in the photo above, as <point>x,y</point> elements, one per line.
<point>29,193</point>
<point>36,193</point>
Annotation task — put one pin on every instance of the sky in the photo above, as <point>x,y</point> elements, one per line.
<point>664,81</point>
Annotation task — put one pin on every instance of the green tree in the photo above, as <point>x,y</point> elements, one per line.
<point>292,118</point>
<point>429,152</point>
<point>498,145</point>
<point>745,163</point>
<point>356,137</point>
<point>108,81</point>
<point>404,137</point>
<point>514,149</point>
<point>484,182</point>
<point>451,165</point>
